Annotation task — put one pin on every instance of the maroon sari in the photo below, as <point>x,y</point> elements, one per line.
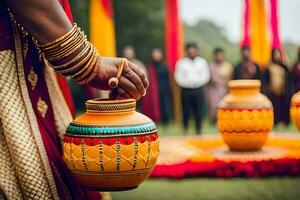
<point>150,102</point>
<point>67,187</point>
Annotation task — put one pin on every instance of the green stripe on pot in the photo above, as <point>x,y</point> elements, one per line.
<point>77,129</point>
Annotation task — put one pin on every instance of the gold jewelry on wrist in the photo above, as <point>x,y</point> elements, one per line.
<point>94,73</point>
<point>59,50</point>
<point>84,73</point>
<point>70,62</point>
<point>58,46</point>
<point>86,54</point>
<point>53,43</point>
<point>72,55</point>
<point>86,65</point>
<point>65,52</point>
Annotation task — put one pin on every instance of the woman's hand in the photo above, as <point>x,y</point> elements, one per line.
<point>132,83</point>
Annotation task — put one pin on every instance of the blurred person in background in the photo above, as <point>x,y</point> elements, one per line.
<point>246,69</point>
<point>129,53</point>
<point>221,73</point>
<point>191,74</point>
<point>296,72</point>
<point>157,104</point>
<point>278,87</point>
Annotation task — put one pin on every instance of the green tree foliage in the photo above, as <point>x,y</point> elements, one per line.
<point>139,23</point>
<point>291,51</point>
<point>208,36</point>
<point>80,11</point>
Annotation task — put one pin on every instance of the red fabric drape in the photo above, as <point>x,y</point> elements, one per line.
<point>62,81</point>
<point>107,5</point>
<point>274,22</point>
<point>174,35</point>
<point>65,4</point>
<point>174,48</point>
<point>276,43</point>
<point>246,25</point>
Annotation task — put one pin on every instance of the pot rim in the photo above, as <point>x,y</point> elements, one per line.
<point>244,84</point>
<point>109,105</point>
<point>109,101</point>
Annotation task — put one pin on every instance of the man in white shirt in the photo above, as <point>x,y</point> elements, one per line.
<point>191,74</point>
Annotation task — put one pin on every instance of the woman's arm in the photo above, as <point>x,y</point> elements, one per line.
<point>46,21</point>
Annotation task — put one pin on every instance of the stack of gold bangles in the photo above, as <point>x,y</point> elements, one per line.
<point>60,55</point>
<point>74,56</point>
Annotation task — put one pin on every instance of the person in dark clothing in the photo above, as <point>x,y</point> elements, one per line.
<point>158,102</point>
<point>279,87</point>
<point>247,69</point>
<point>164,87</point>
<point>296,72</point>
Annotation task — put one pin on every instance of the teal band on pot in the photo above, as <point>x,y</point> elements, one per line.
<point>77,129</point>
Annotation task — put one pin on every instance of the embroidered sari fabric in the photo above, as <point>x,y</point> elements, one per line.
<point>34,113</point>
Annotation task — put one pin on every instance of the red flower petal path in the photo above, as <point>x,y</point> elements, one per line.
<point>208,157</point>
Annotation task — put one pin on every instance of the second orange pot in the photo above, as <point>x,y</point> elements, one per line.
<point>245,116</point>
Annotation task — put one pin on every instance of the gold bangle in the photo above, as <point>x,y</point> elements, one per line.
<point>51,44</point>
<point>67,51</point>
<point>85,59</point>
<point>71,62</point>
<point>84,63</point>
<point>82,66</point>
<point>91,64</point>
<point>84,45</point>
<point>80,59</point>
<point>79,38</point>
<point>64,43</point>
<point>80,54</point>
<point>56,46</point>
<point>93,75</point>
<point>80,75</point>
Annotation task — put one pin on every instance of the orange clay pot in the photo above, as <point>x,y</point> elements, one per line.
<point>245,116</point>
<point>111,147</point>
<point>295,109</point>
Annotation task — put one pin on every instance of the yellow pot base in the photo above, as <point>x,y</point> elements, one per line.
<point>245,141</point>
<point>112,181</point>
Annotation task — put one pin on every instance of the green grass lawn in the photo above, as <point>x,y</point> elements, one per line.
<point>276,188</point>
<point>215,189</point>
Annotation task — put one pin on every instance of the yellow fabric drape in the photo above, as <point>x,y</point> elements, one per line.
<point>259,37</point>
<point>102,30</point>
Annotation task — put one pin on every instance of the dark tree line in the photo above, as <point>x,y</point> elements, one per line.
<point>139,23</point>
